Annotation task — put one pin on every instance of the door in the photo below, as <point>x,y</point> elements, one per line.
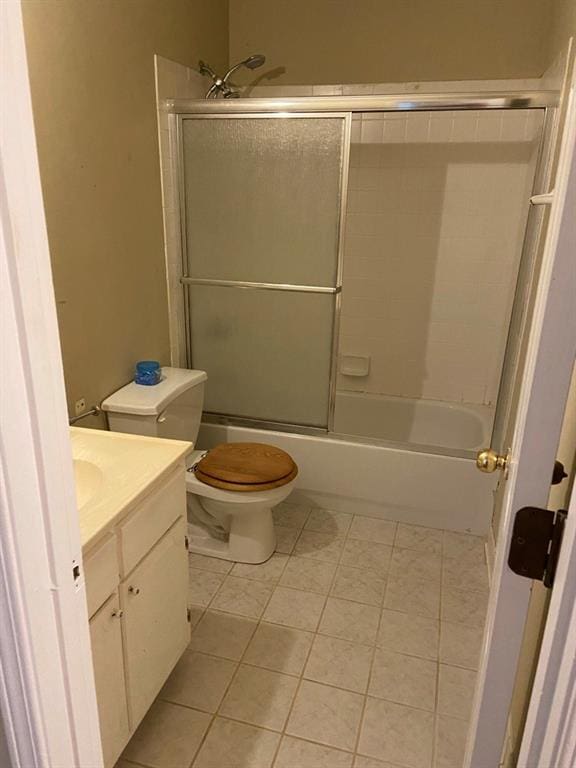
<point>533,439</point>
<point>154,597</point>
<point>262,198</point>
<point>108,662</point>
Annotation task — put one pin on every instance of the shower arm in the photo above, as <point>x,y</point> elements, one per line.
<point>231,71</point>
<point>210,93</point>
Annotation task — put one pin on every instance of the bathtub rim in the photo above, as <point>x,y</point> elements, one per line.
<point>224,420</point>
<point>481,413</point>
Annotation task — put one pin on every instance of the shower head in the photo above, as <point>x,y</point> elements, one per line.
<point>220,84</point>
<point>252,62</point>
<point>255,61</point>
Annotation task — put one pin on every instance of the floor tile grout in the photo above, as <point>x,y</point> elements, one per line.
<point>274,583</point>
<point>302,672</point>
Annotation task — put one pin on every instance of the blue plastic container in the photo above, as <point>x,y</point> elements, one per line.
<point>148,373</point>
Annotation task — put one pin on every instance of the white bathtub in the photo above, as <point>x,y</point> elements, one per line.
<point>432,423</point>
<point>416,487</point>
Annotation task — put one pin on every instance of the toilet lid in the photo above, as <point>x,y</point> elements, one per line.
<point>246,467</point>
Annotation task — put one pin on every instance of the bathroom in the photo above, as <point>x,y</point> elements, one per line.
<point>348,236</point>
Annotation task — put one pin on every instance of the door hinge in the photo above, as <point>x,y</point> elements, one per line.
<point>558,473</point>
<point>536,542</point>
<point>186,543</point>
<point>189,615</point>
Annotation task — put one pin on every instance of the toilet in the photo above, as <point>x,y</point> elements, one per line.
<point>231,489</point>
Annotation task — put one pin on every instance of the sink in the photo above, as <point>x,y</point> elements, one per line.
<point>88,480</point>
<point>113,471</point>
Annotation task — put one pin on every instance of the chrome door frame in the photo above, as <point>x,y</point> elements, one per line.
<point>185,280</point>
<point>330,106</point>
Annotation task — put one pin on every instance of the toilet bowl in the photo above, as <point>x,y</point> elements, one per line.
<point>245,517</point>
<point>233,486</point>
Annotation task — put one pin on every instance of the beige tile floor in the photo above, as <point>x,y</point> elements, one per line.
<point>354,646</point>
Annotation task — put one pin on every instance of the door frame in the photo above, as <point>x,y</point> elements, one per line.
<point>47,697</point>
<point>544,389</point>
<point>550,730</point>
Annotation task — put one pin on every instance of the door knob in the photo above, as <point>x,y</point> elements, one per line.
<point>488,460</point>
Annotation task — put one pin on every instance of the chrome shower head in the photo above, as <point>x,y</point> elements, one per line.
<point>255,61</point>
<point>220,84</point>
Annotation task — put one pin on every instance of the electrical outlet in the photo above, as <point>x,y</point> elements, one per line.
<point>80,406</point>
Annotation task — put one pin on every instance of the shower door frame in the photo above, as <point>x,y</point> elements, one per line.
<point>336,291</point>
<point>345,107</point>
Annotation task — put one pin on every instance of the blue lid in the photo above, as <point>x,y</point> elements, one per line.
<point>147,366</point>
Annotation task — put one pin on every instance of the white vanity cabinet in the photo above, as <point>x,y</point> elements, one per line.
<point>137,594</point>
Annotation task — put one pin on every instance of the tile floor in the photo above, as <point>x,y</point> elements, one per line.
<point>354,646</point>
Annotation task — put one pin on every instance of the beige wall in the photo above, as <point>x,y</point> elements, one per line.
<point>92,78</point>
<point>562,27</point>
<point>351,41</point>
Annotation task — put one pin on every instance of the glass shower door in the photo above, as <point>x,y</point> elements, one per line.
<point>261,215</point>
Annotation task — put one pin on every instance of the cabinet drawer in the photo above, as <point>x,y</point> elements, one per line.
<point>154,515</point>
<point>101,574</point>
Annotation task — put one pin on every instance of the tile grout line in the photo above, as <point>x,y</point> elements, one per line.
<point>440,634</point>
<point>302,671</point>
<point>214,715</point>
<point>274,583</point>
<point>241,660</point>
<point>373,655</point>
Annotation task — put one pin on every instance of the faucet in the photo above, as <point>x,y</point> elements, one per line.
<point>94,411</point>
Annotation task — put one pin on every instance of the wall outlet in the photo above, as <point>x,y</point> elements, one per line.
<point>80,406</point>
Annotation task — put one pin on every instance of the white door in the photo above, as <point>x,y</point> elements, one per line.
<point>533,444</point>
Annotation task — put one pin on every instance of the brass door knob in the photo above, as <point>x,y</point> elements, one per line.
<point>488,460</point>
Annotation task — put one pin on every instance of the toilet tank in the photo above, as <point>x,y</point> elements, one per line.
<point>172,408</point>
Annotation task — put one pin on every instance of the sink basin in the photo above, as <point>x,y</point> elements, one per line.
<point>113,471</point>
<point>88,480</point>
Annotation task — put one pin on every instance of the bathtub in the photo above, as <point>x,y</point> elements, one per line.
<point>429,423</point>
<point>412,486</point>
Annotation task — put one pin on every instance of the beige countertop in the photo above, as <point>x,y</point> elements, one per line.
<point>114,471</point>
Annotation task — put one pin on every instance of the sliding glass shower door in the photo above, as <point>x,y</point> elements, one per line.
<point>262,205</point>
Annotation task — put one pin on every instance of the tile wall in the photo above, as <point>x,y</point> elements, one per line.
<point>436,210</point>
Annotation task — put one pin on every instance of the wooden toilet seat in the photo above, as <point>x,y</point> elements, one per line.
<point>246,467</point>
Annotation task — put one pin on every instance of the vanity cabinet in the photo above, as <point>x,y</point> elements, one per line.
<point>137,595</point>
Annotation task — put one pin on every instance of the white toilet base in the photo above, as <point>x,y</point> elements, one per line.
<point>251,538</point>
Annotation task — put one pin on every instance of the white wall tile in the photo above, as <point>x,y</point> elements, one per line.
<point>433,236</point>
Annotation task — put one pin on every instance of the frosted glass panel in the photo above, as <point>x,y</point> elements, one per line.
<point>263,198</point>
<point>267,352</point>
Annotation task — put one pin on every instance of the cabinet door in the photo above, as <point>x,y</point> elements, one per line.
<point>108,662</point>
<point>156,626</point>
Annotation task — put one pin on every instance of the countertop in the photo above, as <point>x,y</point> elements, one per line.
<point>114,471</point>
